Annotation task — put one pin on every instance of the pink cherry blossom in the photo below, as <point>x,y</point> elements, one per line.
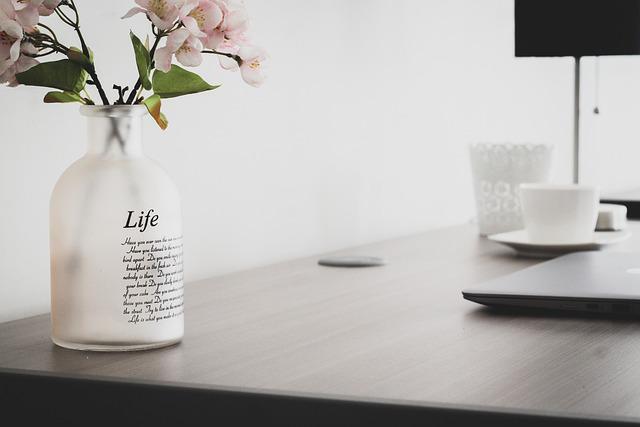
<point>184,45</point>
<point>47,7</point>
<point>10,38</point>
<point>232,27</point>
<point>226,62</point>
<point>236,21</point>
<point>201,17</point>
<point>24,12</point>
<point>7,12</point>
<point>163,13</point>
<point>252,67</point>
<point>23,63</point>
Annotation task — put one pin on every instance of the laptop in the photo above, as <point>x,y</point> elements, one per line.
<point>592,282</point>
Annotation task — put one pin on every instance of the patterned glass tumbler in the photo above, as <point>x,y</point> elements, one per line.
<point>498,170</point>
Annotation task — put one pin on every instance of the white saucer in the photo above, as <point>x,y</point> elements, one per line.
<point>519,240</point>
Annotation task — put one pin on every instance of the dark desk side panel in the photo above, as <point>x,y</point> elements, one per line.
<point>28,399</point>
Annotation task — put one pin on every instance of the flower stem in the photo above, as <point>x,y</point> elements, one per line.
<point>43,42</point>
<point>228,55</point>
<point>94,77</point>
<point>40,55</point>
<point>90,68</point>
<point>53,34</point>
<point>64,18</point>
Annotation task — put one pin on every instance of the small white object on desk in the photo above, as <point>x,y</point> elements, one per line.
<point>611,217</point>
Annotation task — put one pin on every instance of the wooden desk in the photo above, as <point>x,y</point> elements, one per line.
<point>300,344</point>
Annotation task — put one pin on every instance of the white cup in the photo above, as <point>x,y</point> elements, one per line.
<point>559,214</point>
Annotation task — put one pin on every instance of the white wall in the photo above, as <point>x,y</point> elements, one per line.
<point>359,135</point>
<point>611,140</point>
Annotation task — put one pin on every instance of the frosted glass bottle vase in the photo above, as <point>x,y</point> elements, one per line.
<point>116,242</point>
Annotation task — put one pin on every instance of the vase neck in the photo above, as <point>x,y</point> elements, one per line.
<point>114,131</point>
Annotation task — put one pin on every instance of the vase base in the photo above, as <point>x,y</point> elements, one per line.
<point>114,347</point>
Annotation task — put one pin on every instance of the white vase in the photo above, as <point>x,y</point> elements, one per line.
<point>116,242</point>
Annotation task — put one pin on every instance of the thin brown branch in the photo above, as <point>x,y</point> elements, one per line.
<point>228,55</point>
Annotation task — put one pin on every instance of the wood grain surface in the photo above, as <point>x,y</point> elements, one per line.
<point>400,331</point>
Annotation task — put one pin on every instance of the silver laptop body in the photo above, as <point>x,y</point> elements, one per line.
<point>594,282</point>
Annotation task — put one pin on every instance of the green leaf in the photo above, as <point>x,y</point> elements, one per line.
<point>153,104</point>
<point>53,97</point>
<point>64,75</point>
<point>177,82</point>
<point>143,60</point>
